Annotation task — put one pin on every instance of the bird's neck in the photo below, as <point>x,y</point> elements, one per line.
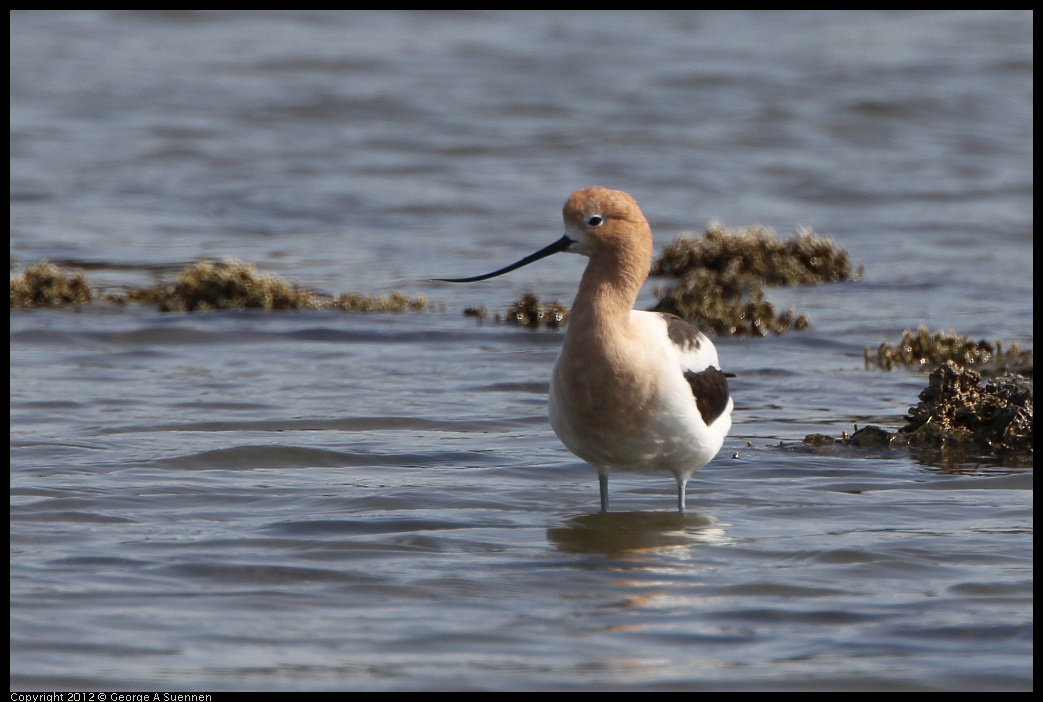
<point>607,293</point>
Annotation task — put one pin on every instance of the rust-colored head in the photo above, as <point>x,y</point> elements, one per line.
<point>608,223</point>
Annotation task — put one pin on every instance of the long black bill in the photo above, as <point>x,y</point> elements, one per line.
<point>559,245</point>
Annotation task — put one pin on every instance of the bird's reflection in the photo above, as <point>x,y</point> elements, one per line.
<point>620,533</point>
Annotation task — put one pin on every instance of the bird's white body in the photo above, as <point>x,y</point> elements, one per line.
<point>631,390</point>
<point>647,421</point>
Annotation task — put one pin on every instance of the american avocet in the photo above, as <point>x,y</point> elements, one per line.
<point>633,390</point>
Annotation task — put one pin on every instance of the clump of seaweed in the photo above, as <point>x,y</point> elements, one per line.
<point>924,349</point>
<point>751,255</point>
<point>957,412</point>
<point>47,285</point>
<point>231,284</point>
<point>958,418</point>
<point>479,313</point>
<point>202,286</point>
<point>868,437</point>
<point>529,311</point>
<point>699,297</point>
<point>723,275</point>
<point>395,302</point>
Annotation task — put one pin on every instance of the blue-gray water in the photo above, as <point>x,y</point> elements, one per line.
<point>322,500</point>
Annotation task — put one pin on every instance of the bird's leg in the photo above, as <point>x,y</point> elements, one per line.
<point>681,485</point>
<point>603,481</point>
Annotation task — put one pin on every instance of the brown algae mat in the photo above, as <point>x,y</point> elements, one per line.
<point>723,275</point>
<point>925,349</point>
<point>527,311</point>
<point>958,419</point>
<point>200,287</point>
<point>48,285</point>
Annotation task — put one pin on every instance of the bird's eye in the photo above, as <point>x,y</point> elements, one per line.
<point>595,221</point>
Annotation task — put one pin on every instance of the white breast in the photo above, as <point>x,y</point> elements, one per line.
<point>662,429</point>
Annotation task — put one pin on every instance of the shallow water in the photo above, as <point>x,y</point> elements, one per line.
<point>322,500</point>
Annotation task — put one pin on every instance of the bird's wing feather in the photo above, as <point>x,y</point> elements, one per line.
<point>700,367</point>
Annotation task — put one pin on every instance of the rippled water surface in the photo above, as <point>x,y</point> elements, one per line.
<point>322,500</point>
